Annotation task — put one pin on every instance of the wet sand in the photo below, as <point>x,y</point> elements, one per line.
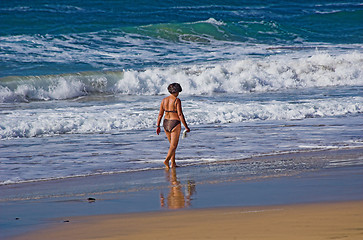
<point>312,221</point>
<point>215,201</point>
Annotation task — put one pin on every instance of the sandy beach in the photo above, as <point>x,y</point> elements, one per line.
<point>315,221</point>
<point>211,201</point>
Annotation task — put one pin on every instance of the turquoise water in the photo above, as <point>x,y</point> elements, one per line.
<point>42,37</point>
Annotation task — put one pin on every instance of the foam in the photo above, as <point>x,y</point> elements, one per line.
<point>274,73</point>
<point>57,87</point>
<point>257,75</point>
<point>56,8</point>
<point>112,118</point>
<point>214,22</point>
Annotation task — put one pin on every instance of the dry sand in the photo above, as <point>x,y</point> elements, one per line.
<point>309,221</point>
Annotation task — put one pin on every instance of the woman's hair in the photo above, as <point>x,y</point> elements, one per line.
<point>174,88</point>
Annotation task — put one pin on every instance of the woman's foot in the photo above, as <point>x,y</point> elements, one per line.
<point>166,163</point>
<point>173,163</point>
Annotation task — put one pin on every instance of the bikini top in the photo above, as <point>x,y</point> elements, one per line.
<point>173,111</point>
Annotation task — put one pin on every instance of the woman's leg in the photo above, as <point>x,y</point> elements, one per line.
<point>175,134</point>
<point>173,138</point>
<point>166,162</point>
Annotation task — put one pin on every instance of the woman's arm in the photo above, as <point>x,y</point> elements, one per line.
<point>161,114</point>
<point>181,115</point>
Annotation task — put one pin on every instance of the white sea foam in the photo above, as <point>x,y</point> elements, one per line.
<point>130,116</point>
<point>248,75</point>
<point>112,50</point>
<point>213,21</point>
<point>56,8</point>
<point>261,75</point>
<point>50,87</point>
<point>307,70</point>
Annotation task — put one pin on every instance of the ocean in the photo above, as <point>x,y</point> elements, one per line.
<point>81,83</point>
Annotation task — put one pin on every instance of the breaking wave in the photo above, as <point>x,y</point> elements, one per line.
<point>249,75</point>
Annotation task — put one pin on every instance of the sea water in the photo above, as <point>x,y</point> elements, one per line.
<point>81,82</point>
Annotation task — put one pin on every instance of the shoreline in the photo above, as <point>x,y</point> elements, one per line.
<point>264,156</point>
<point>319,179</point>
<point>303,221</point>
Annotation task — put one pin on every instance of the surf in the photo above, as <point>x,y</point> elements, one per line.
<point>272,73</point>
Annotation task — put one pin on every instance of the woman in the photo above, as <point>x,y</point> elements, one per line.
<point>171,105</point>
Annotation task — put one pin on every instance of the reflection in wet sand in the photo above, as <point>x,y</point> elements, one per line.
<point>176,199</point>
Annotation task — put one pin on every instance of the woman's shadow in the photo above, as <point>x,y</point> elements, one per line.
<point>176,199</point>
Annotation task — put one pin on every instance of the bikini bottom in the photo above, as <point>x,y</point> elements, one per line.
<point>169,125</point>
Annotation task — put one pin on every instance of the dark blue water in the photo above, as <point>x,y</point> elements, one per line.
<point>42,37</point>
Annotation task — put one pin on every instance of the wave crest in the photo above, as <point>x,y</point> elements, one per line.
<point>276,73</point>
<point>113,118</point>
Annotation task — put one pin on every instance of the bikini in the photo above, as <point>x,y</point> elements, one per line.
<point>170,124</point>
